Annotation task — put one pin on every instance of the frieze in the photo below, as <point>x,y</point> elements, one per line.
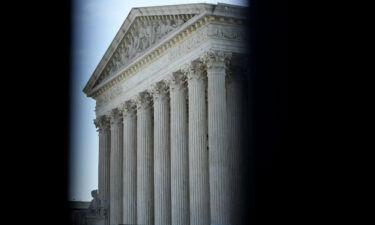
<point>108,96</point>
<point>228,33</point>
<point>189,44</point>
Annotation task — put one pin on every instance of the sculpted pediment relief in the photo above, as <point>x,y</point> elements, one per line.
<point>145,32</point>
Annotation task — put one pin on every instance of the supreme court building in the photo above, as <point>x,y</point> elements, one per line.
<point>169,93</point>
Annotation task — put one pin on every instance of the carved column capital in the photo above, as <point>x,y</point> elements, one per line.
<point>102,123</point>
<point>160,90</point>
<point>129,108</point>
<point>178,80</point>
<point>144,100</point>
<point>115,116</point>
<point>215,59</point>
<point>195,70</point>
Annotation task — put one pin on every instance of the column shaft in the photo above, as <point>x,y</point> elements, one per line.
<point>130,164</point>
<point>104,160</point>
<point>162,169</point>
<point>145,165</point>
<point>219,154</point>
<point>198,155</point>
<point>179,152</point>
<point>235,142</point>
<point>116,169</point>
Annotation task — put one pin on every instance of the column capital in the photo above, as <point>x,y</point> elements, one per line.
<point>144,100</point>
<point>160,90</point>
<point>115,116</point>
<point>178,80</point>
<point>195,70</point>
<point>129,108</point>
<point>216,59</point>
<point>102,123</point>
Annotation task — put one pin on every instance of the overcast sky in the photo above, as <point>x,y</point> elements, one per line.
<point>95,23</point>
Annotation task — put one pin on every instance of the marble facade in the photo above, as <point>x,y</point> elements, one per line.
<point>168,107</point>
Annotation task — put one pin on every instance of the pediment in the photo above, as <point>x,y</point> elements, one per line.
<point>145,32</point>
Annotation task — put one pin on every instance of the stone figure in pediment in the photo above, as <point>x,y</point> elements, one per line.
<point>126,54</point>
<point>123,56</point>
<point>117,60</point>
<point>168,27</point>
<point>111,68</point>
<point>134,39</point>
<point>176,23</point>
<point>144,37</point>
<point>163,29</point>
<point>133,45</point>
<point>156,30</point>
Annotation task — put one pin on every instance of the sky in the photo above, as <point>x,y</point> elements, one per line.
<point>95,24</point>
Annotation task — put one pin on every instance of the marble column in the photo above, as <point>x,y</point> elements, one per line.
<point>145,158</point>
<point>236,112</point>
<point>179,150</point>
<point>130,163</point>
<point>103,125</point>
<point>162,167</point>
<point>219,154</point>
<point>198,152</point>
<point>115,208</point>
